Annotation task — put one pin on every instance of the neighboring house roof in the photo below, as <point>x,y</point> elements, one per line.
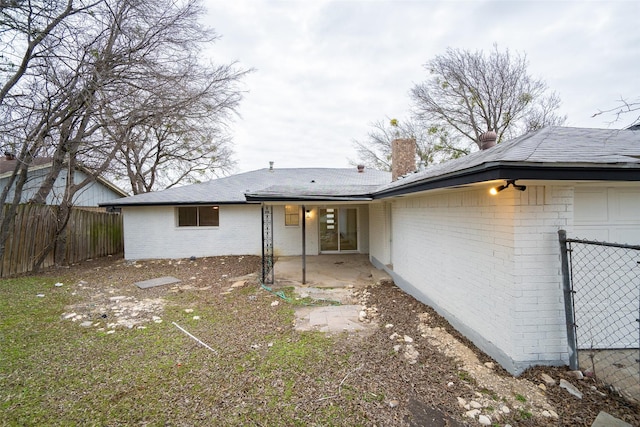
<point>551,153</point>
<point>281,184</point>
<point>8,166</point>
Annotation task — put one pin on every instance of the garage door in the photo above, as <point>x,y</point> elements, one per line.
<point>606,280</point>
<point>607,214</point>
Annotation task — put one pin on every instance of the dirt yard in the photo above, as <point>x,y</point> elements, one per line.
<point>413,369</point>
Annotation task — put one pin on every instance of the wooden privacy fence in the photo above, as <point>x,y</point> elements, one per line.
<point>89,234</point>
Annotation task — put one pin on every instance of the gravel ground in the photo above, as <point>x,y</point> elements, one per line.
<point>416,369</point>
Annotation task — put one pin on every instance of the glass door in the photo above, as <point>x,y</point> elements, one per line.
<point>338,229</point>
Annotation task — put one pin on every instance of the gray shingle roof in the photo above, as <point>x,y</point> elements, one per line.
<point>276,182</point>
<point>550,147</point>
<point>545,154</point>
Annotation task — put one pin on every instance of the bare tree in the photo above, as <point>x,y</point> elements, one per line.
<point>433,144</point>
<point>100,81</point>
<point>624,108</point>
<point>470,93</point>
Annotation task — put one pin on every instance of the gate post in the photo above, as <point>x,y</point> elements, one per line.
<point>568,301</point>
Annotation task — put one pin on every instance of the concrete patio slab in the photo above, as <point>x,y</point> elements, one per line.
<point>331,319</point>
<point>160,281</point>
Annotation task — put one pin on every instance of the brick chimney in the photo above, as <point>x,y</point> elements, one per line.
<point>403,157</point>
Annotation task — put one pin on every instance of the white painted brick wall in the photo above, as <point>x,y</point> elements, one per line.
<point>151,232</point>
<point>492,262</point>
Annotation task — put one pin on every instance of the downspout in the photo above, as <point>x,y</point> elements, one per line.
<point>304,245</point>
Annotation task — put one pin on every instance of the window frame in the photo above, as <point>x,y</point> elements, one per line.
<point>291,215</point>
<point>198,220</point>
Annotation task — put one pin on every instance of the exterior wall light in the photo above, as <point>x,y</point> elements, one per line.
<point>512,182</point>
<point>308,213</point>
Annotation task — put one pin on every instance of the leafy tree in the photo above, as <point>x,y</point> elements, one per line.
<point>469,93</point>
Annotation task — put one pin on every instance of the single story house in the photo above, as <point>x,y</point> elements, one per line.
<point>96,192</point>
<point>489,263</point>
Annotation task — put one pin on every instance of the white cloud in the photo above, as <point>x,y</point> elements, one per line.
<point>326,69</point>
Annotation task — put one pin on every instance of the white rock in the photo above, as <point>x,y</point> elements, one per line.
<point>542,387</point>
<point>450,384</point>
<point>475,405</point>
<point>40,295</point>
<point>69,316</point>
<point>362,315</point>
<point>484,420</point>
<point>397,347</point>
<point>550,414</point>
<point>411,354</point>
<point>196,317</point>
<point>188,310</point>
<point>388,326</point>
<point>461,402</point>
<point>238,284</point>
<point>407,338</point>
<point>547,379</point>
<point>393,336</point>
<point>275,303</point>
<point>577,374</point>
<point>118,298</point>
<point>472,413</point>
<point>489,365</point>
<point>57,285</point>
<point>86,324</point>
<point>505,409</point>
<point>570,388</point>
<point>393,403</point>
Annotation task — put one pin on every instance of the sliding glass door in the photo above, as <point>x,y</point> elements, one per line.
<point>338,229</point>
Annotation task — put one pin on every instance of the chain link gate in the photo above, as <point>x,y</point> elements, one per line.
<point>602,302</point>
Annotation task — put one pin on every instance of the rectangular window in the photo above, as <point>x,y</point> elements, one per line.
<point>291,215</point>
<point>198,216</point>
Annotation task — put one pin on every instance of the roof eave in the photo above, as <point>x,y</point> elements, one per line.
<point>115,203</point>
<point>509,170</point>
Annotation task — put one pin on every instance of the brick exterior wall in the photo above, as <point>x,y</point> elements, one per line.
<point>489,264</point>
<point>403,157</point>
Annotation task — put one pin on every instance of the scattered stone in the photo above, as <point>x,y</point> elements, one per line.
<point>570,388</point>
<point>388,326</point>
<point>505,409</point>
<point>252,297</point>
<point>82,283</point>
<point>472,413</point>
<point>475,405</point>
<point>484,420</point>
<point>542,387</point>
<point>40,295</point>
<point>196,317</point>
<point>577,374</point>
<point>606,420</point>
<point>461,402</point>
<point>450,384</point>
<point>489,365</point>
<point>87,324</point>
<point>397,347</point>
<point>70,315</point>
<point>239,284</point>
<point>156,319</point>
<point>411,354</point>
<point>547,379</point>
<point>118,298</point>
<point>255,346</point>
<point>192,278</point>
<point>275,303</point>
<point>393,403</point>
<point>393,336</point>
<point>57,285</point>
<point>188,310</point>
<point>407,338</point>
<point>362,316</point>
<point>111,332</point>
<point>601,394</point>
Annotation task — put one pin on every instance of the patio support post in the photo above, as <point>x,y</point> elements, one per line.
<point>304,245</point>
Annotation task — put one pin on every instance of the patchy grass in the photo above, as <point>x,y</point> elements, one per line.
<point>55,372</point>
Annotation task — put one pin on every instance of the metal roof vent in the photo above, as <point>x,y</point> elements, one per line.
<point>487,139</point>
<point>360,168</point>
<point>270,166</point>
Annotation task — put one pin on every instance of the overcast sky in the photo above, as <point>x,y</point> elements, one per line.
<point>325,70</point>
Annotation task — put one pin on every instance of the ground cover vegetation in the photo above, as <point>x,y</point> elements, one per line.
<point>84,346</point>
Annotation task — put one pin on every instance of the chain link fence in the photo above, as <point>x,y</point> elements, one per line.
<point>602,301</point>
